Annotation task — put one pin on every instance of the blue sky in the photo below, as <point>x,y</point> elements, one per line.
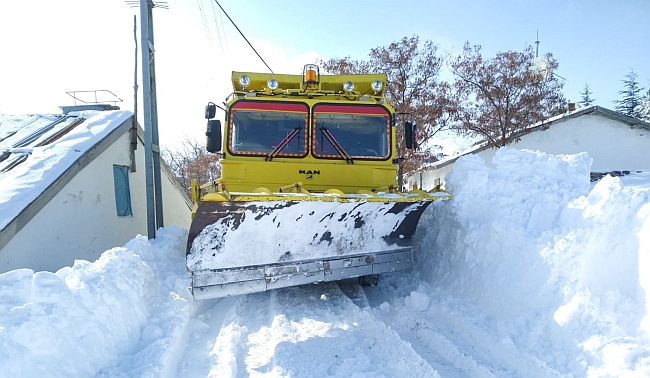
<point>596,42</point>
<point>49,47</point>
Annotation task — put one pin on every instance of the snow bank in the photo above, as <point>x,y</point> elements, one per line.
<point>79,320</point>
<point>562,270</point>
<point>490,235</point>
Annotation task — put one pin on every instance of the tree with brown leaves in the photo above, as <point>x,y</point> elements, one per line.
<point>498,98</point>
<point>191,161</point>
<point>412,69</point>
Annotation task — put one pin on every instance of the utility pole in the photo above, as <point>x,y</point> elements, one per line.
<point>151,147</point>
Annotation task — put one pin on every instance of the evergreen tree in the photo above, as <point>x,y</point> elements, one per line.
<point>586,96</point>
<point>645,107</point>
<point>630,104</point>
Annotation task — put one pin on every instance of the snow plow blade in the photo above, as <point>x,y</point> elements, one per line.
<point>247,246</point>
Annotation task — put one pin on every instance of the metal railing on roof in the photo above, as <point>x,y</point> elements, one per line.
<point>96,96</point>
<point>98,99</point>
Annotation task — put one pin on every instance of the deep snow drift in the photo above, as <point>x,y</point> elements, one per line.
<point>561,269</point>
<point>529,271</point>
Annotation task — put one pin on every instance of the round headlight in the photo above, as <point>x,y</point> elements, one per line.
<point>272,84</point>
<point>376,85</point>
<point>348,86</point>
<point>244,80</point>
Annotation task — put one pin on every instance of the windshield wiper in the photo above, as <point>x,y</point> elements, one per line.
<point>335,143</point>
<point>283,143</point>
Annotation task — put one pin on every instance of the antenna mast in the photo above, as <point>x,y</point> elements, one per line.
<point>537,45</point>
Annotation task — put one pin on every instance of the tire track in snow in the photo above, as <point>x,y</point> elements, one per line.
<point>198,356</point>
<point>503,353</point>
<point>310,331</point>
<point>444,337</point>
<point>436,349</point>
<point>332,330</point>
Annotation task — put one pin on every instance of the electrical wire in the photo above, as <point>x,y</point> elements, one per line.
<point>205,23</point>
<point>223,30</point>
<point>242,34</point>
<point>217,25</point>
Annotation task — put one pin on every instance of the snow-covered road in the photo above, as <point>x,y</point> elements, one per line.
<point>299,332</point>
<point>344,330</point>
<point>530,271</point>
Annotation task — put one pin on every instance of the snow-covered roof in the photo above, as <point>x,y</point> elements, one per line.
<point>40,153</point>
<point>593,109</point>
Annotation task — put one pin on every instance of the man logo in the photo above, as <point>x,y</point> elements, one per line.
<point>309,173</point>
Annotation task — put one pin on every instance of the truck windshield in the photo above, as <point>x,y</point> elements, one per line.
<point>259,128</point>
<point>362,132</point>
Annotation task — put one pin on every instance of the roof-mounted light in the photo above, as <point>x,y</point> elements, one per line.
<point>272,84</point>
<point>310,74</point>
<point>376,85</point>
<point>348,86</point>
<point>244,81</point>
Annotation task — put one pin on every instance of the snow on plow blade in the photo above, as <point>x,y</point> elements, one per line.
<point>245,247</point>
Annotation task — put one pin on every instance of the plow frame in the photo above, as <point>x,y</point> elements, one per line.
<point>216,283</point>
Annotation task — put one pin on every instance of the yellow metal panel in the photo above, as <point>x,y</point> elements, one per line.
<point>316,175</point>
<point>215,197</point>
<point>332,83</point>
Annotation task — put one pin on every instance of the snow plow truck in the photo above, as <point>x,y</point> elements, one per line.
<point>308,189</point>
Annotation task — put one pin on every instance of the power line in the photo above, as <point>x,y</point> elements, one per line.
<point>219,24</point>
<point>242,34</point>
<point>205,23</point>
<point>223,31</point>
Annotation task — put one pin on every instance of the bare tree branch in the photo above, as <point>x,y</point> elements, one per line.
<point>502,96</point>
<point>412,69</point>
<point>191,161</point>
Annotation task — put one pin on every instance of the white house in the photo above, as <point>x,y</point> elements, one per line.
<point>73,186</point>
<point>614,141</point>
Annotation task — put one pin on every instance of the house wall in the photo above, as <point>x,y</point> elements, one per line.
<point>81,221</point>
<point>613,146</point>
<point>428,179</point>
<point>177,208</point>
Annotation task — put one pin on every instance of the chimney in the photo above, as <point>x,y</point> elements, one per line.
<point>571,106</point>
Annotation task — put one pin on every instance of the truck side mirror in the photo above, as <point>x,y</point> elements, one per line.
<point>210,110</point>
<point>410,131</point>
<point>213,136</point>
